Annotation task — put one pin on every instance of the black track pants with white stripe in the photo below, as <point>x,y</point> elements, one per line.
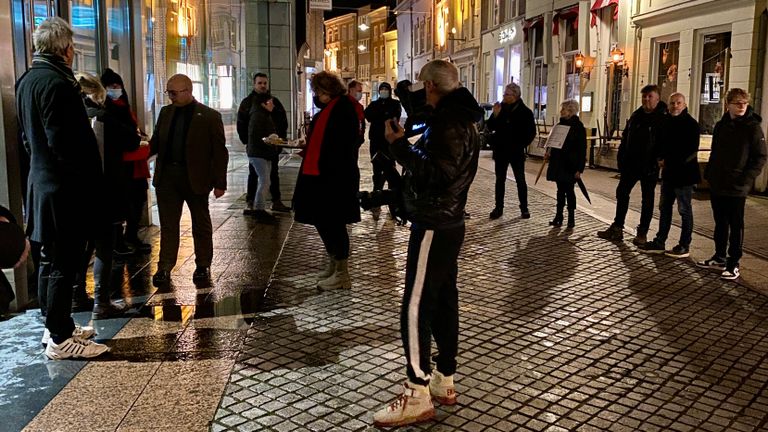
<point>431,301</point>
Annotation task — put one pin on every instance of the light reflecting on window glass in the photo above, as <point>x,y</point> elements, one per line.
<point>118,39</point>
<point>499,78</point>
<point>83,20</point>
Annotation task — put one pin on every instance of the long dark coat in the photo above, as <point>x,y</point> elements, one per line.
<point>119,135</point>
<point>65,166</point>
<point>565,162</point>
<point>331,197</point>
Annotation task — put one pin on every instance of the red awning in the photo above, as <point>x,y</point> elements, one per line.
<point>571,13</point>
<point>528,24</point>
<point>600,4</point>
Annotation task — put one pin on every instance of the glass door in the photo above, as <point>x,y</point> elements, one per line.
<point>27,15</point>
<point>83,17</point>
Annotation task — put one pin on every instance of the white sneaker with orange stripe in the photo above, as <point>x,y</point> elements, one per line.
<point>413,406</point>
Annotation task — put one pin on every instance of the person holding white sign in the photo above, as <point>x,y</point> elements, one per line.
<point>567,161</point>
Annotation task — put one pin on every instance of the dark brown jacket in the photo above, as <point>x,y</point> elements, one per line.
<point>206,152</point>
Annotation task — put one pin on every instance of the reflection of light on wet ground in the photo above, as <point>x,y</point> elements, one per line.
<point>180,313</point>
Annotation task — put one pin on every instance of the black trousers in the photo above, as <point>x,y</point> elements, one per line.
<point>565,194</point>
<point>335,239</point>
<point>274,182</point>
<point>384,169</point>
<point>172,193</point>
<point>431,302</point>
<point>624,189</point>
<point>728,213</point>
<point>62,259</point>
<point>518,169</point>
<point>137,199</point>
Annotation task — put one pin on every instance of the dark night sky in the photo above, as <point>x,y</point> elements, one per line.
<point>339,5</point>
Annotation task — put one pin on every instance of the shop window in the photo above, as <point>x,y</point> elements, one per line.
<point>572,78</point>
<point>515,63</point>
<point>666,72</point>
<point>715,60</point>
<point>499,77</point>
<point>539,89</point>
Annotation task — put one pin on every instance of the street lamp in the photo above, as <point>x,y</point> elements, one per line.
<point>363,27</point>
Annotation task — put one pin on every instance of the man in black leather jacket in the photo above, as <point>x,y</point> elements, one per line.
<point>439,170</point>
<point>638,161</point>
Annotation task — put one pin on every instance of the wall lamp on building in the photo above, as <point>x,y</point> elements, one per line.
<point>617,55</point>
<point>579,61</point>
<point>363,27</point>
<point>327,52</point>
<point>361,48</point>
<point>453,36</point>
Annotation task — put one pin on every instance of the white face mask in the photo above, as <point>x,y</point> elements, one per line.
<point>384,94</point>
<point>359,96</point>
<point>114,94</point>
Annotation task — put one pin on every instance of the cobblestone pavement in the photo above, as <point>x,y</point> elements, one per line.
<point>560,331</point>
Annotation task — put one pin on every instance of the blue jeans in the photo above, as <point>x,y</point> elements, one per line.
<point>263,168</point>
<point>683,196</point>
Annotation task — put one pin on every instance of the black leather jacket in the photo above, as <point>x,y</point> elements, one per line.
<point>440,167</point>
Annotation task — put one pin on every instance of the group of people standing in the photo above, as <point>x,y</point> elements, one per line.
<point>666,137</point>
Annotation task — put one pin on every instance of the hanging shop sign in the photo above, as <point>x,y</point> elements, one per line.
<point>507,34</point>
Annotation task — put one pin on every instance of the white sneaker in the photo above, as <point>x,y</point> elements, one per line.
<point>442,389</point>
<point>74,347</point>
<point>83,332</point>
<point>730,274</point>
<point>413,406</point>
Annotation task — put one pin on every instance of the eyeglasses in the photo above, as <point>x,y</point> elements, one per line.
<point>174,93</point>
<point>739,103</point>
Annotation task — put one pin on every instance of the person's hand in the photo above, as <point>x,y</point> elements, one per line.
<point>496,108</point>
<point>218,193</point>
<point>661,163</point>
<point>268,105</point>
<point>390,134</point>
<point>577,176</point>
<point>24,256</point>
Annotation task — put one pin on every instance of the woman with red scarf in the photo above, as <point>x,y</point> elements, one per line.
<point>329,179</point>
<point>135,168</point>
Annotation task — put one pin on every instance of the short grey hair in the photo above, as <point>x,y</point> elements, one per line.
<point>52,36</point>
<point>514,88</point>
<point>571,107</point>
<point>677,95</point>
<point>443,74</point>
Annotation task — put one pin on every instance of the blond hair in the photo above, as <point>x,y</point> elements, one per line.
<point>92,87</point>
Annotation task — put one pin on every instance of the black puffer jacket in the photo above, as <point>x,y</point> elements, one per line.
<point>678,148</point>
<point>279,117</point>
<point>377,113</point>
<point>440,167</point>
<point>639,152</point>
<point>565,162</point>
<point>514,129</point>
<point>738,154</point>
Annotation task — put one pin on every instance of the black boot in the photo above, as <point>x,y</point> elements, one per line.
<point>558,220</point>
<point>571,218</point>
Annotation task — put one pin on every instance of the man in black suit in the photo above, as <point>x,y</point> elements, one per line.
<point>191,161</point>
<point>65,171</point>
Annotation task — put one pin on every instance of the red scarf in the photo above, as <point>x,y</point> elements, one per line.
<point>312,158</point>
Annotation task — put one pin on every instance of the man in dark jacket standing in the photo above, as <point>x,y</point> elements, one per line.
<point>377,113</point>
<point>514,129</point>
<point>439,170</point>
<point>280,120</point>
<point>65,169</point>
<point>261,154</point>
<point>191,161</point>
<point>678,149</point>
<point>737,158</point>
<point>638,162</point>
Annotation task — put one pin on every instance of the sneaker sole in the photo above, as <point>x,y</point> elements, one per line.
<point>734,277</point>
<point>449,401</point>
<point>54,356</point>
<point>712,267</point>
<point>425,417</point>
<point>671,255</point>
<point>651,252</point>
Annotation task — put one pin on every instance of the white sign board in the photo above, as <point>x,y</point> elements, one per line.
<point>320,4</point>
<point>557,136</point>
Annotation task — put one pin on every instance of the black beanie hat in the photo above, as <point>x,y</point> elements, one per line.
<point>385,85</point>
<point>110,77</point>
<point>13,243</point>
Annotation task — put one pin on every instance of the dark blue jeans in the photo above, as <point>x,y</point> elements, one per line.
<point>670,194</point>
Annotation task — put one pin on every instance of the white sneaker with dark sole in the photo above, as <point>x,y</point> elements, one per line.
<point>74,347</point>
<point>730,274</point>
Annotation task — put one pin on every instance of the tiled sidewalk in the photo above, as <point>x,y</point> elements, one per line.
<point>559,331</point>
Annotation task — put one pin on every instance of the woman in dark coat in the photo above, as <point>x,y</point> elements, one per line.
<point>567,163</point>
<point>328,182</point>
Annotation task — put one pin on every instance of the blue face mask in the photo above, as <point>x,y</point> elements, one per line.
<point>114,94</point>
<point>384,94</point>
